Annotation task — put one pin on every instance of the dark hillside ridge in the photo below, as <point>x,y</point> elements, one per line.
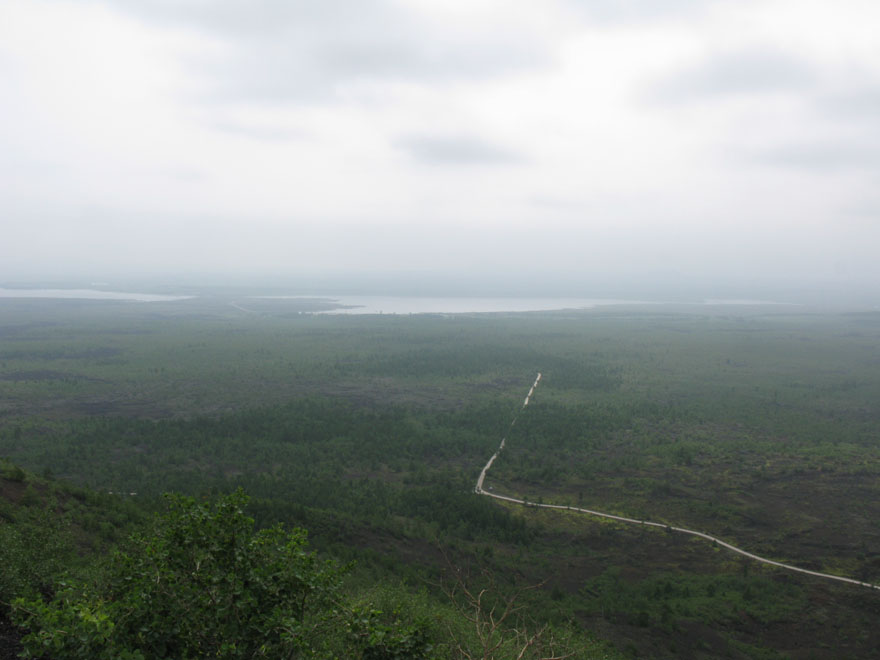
<point>49,527</point>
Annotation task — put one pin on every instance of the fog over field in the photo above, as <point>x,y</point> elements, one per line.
<point>563,147</point>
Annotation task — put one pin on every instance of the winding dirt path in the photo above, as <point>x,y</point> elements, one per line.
<point>240,308</point>
<point>479,490</point>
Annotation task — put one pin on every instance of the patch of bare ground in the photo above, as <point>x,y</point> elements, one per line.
<point>842,625</point>
<point>408,550</point>
<point>502,384</point>
<point>46,374</point>
<point>385,391</point>
<point>818,519</point>
<point>689,640</point>
<point>23,330</point>
<point>12,490</point>
<point>10,639</point>
<point>833,502</point>
<point>836,621</point>
<point>96,353</point>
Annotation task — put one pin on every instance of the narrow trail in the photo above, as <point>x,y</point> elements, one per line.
<point>479,490</point>
<point>242,309</point>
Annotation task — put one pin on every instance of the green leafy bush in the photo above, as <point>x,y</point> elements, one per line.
<point>35,544</point>
<point>205,584</point>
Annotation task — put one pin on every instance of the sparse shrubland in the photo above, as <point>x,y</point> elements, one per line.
<point>761,428</point>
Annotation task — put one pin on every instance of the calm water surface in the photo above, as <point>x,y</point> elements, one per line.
<point>87,294</point>
<point>441,305</point>
<point>346,304</point>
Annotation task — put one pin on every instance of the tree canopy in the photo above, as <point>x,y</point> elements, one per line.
<point>204,583</point>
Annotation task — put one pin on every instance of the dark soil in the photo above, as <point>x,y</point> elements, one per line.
<point>39,374</point>
<point>10,639</point>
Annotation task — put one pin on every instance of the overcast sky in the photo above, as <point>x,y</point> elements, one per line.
<point>574,139</point>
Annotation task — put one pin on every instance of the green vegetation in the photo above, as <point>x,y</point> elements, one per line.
<point>759,427</point>
<point>46,527</point>
<point>204,584</point>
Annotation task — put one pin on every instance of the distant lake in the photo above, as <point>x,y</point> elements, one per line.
<point>445,305</point>
<point>354,304</point>
<point>741,301</point>
<point>87,294</point>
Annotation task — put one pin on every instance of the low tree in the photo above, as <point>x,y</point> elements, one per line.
<point>498,629</point>
<point>203,583</point>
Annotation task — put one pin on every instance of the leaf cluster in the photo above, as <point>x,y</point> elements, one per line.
<point>203,583</point>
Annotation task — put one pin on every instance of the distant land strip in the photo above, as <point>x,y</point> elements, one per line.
<point>647,523</point>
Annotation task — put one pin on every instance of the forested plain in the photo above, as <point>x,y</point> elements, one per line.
<point>757,424</point>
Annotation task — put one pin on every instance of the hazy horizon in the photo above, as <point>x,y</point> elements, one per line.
<point>834,294</point>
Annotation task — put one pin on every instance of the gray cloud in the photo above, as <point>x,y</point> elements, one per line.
<point>821,157</point>
<point>861,103</point>
<point>315,69</point>
<point>455,150</point>
<point>262,133</point>
<point>105,171</point>
<point>304,51</point>
<point>752,71</point>
<point>868,209</point>
<point>184,175</point>
<point>253,18</point>
<point>557,204</point>
<point>630,11</point>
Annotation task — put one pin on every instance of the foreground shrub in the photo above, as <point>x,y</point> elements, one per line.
<point>205,584</point>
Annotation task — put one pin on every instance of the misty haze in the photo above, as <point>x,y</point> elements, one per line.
<point>439,330</point>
